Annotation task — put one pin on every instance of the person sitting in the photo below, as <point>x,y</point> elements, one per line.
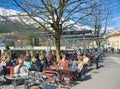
<point>36,64</point>
<point>27,62</point>
<point>80,68</point>
<point>63,62</point>
<point>43,60</point>
<point>53,65</point>
<point>86,60</point>
<point>20,68</point>
<point>6,59</point>
<point>74,64</point>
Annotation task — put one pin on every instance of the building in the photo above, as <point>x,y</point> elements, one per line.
<point>113,41</point>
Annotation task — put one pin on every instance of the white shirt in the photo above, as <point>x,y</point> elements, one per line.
<point>86,59</point>
<point>23,69</point>
<point>79,68</point>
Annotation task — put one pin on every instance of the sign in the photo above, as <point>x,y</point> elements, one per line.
<point>76,32</point>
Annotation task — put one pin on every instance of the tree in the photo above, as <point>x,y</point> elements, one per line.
<point>53,15</point>
<point>100,18</point>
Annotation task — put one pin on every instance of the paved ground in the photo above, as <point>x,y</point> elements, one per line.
<point>107,77</point>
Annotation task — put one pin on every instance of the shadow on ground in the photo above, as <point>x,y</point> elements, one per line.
<point>89,69</point>
<point>87,77</point>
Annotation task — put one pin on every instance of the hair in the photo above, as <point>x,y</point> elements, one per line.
<point>26,58</point>
<point>86,55</point>
<point>79,58</point>
<point>63,56</point>
<point>21,58</point>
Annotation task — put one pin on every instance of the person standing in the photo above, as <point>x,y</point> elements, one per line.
<point>96,56</point>
<point>8,50</point>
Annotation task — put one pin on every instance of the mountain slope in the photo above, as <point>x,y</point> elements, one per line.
<point>14,23</point>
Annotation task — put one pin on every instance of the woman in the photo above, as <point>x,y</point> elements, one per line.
<point>86,60</point>
<point>63,62</point>
<point>74,64</point>
<point>80,68</point>
<point>6,60</point>
<point>27,62</point>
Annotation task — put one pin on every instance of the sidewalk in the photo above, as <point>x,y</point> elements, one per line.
<point>107,77</point>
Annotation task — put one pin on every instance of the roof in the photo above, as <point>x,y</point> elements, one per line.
<point>113,35</point>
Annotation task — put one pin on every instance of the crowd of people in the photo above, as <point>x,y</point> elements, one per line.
<point>37,62</point>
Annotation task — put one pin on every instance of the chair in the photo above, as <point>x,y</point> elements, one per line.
<point>9,70</point>
<point>67,78</point>
<point>34,80</point>
<point>52,77</point>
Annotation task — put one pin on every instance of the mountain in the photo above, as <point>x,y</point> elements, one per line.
<point>111,31</point>
<point>15,23</point>
<point>10,24</point>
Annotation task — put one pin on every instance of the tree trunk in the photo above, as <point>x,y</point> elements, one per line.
<point>57,44</point>
<point>98,42</point>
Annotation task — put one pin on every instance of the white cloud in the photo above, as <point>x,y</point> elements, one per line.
<point>7,12</point>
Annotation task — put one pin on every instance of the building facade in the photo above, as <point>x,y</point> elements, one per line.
<point>113,41</point>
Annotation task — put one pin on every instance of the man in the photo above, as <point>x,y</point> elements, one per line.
<point>96,55</point>
<point>20,68</point>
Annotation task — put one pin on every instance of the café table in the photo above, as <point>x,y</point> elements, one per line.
<point>41,79</point>
<point>67,75</point>
<point>15,78</point>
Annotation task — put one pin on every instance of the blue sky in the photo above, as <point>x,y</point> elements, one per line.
<point>114,22</point>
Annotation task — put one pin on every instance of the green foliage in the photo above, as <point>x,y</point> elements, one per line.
<point>12,43</point>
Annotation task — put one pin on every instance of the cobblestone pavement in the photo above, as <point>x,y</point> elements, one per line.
<point>106,77</point>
